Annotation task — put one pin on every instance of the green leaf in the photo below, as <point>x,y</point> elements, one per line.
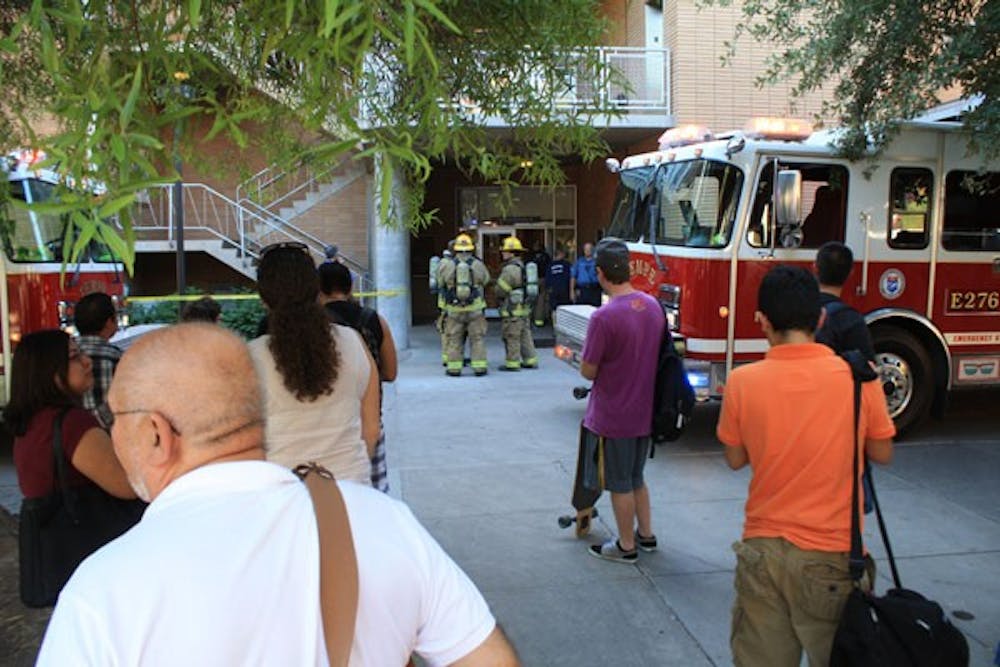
<point>82,239</point>
<point>408,29</point>
<point>194,12</point>
<point>144,140</point>
<point>385,188</point>
<point>118,247</point>
<point>49,207</point>
<point>133,96</point>
<point>431,8</point>
<point>117,147</point>
<point>109,208</point>
<point>77,219</point>
<point>329,16</point>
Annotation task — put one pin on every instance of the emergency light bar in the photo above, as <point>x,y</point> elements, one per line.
<point>781,129</point>
<point>684,135</point>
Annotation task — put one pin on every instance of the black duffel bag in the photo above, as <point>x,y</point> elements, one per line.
<point>901,628</point>
<point>56,532</point>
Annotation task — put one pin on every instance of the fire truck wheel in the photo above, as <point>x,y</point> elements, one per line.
<point>905,370</point>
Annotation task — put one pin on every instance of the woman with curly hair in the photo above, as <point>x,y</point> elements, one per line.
<point>319,383</point>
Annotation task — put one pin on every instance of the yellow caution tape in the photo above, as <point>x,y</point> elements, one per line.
<point>244,297</point>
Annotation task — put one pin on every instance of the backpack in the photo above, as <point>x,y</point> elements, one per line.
<point>366,322</point>
<point>673,397</point>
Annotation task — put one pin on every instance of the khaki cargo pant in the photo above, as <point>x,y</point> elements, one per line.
<point>787,600</point>
<point>518,343</point>
<point>456,326</point>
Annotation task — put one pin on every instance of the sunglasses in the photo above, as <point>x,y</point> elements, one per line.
<point>114,415</point>
<point>289,245</point>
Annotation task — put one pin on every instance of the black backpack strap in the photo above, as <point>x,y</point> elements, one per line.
<point>856,561</point>
<point>61,476</point>
<point>833,306</point>
<point>861,371</point>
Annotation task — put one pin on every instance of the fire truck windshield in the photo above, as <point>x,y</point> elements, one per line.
<point>31,236</point>
<point>691,203</point>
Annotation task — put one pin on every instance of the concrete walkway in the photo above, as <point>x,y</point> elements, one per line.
<point>487,464</point>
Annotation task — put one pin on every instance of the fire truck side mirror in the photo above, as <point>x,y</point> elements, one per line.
<point>788,199</point>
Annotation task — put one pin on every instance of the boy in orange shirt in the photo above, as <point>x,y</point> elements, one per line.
<point>790,417</point>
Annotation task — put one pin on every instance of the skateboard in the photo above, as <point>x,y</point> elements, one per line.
<point>584,498</point>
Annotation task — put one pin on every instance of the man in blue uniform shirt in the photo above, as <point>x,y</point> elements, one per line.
<point>583,285</point>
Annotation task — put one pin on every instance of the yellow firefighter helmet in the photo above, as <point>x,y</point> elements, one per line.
<point>512,244</point>
<point>463,243</point>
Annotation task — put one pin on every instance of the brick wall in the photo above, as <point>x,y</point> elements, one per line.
<point>720,97</point>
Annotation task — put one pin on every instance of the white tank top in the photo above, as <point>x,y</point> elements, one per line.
<point>326,430</point>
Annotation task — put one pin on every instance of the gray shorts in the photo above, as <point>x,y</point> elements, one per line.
<point>624,460</point>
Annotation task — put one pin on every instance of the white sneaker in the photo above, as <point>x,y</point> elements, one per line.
<point>611,550</point>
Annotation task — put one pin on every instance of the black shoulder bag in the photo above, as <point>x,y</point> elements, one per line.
<point>901,628</point>
<point>56,532</point>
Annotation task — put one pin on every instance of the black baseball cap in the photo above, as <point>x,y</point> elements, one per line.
<point>611,254</point>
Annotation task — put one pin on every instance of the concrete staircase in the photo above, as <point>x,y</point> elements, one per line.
<point>233,231</point>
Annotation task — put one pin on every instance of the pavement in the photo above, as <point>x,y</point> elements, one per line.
<point>487,465</point>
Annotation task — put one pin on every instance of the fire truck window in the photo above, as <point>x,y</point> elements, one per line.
<point>697,203</point>
<point>971,200</point>
<point>630,215</point>
<point>30,236</point>
<point>824,204</point>
<point>911,192</point>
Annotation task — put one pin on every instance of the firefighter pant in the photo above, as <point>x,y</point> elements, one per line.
<point>457,326</point>
<point>440,326</point>
<point>540,310</point>
<point>516,332</point>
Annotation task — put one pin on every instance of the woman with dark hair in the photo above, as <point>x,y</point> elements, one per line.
<point>49,375</point>
<point>64,516</point>
<point>320,385</point>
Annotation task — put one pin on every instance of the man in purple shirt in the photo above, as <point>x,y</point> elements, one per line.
<point>619,355</point>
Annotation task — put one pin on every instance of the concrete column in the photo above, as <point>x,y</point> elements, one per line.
<point>389,253</point>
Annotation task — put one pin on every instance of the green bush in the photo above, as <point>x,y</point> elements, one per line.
<point>159,312</point>
<point>240,315</point>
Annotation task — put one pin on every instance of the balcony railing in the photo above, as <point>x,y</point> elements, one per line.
<point>636,80</point>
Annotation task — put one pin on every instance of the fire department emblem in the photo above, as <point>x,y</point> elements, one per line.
<point>892,283</point>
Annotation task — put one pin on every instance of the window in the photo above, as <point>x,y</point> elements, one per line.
<point>971,201</point>
<point>824,204</point>
<point>692,203</point>
<point>910,197</point>
<point>696,203</point>
<point>33,236</point>
<point>630,215</point>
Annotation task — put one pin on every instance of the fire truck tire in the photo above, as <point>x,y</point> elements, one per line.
<point>906,374</point>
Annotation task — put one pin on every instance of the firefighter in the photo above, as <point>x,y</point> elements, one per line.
<point>446,257</point>
<point>514,289</point>
<point>463,280</point>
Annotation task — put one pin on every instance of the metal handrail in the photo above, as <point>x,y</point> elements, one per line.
<point>317,245</point>
<point>208,210</point>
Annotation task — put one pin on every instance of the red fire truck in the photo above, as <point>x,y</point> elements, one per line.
<point>706,216</point>
<point>34,292</point>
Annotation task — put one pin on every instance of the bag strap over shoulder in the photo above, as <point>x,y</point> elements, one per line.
<point>338,564</point>
<point>861,371</point>
<point>60,477</point>
<point>856,562</point>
